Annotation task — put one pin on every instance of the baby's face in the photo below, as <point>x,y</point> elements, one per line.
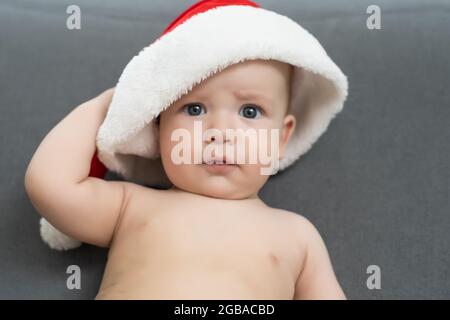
<point>199,127</point>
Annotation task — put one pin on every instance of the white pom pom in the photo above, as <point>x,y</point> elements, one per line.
<point>55,238</point>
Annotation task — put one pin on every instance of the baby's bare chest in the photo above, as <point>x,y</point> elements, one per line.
<point>211,230</point>
<point>248,241</point>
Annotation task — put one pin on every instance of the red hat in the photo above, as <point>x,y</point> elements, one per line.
<point>206,38</point>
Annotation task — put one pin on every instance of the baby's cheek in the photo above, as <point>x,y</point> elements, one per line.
<point>262,148</point>
<point>251,177</point>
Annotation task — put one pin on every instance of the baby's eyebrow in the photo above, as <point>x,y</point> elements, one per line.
<point>251,95</point>
<point>239,94</point>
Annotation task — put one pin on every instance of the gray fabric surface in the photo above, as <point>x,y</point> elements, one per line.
<point>376,185</point>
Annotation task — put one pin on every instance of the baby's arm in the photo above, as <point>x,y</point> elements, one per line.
<point>317,281</point>
<point>58,183</point>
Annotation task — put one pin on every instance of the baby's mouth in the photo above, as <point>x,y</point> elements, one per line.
<point>218,165</point>
<point>216,162</point>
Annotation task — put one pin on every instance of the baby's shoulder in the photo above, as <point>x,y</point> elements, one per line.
<point>297,223</point>
<point>290,216</point>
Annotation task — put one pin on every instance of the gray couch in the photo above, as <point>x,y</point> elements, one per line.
<point>376,185</point>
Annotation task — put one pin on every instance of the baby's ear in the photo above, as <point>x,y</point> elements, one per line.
<point>289,124</point>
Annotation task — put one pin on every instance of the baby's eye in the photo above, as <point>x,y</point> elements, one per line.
<point>194,109</point>
<point>250,111</point>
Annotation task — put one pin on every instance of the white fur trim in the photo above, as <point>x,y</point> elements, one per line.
<point>55,238</point>
<point>203,45</point>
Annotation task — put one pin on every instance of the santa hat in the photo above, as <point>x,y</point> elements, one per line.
<point>206,38</point>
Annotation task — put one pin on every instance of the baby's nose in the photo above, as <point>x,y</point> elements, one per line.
<point>217,128</point>
<point>217,135</point>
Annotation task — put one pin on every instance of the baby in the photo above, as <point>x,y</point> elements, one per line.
<point>208,236</point>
